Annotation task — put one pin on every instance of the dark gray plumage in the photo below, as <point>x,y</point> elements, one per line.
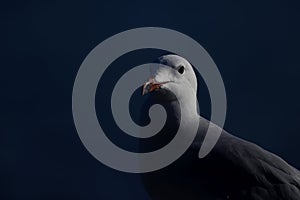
<point>234,169</point>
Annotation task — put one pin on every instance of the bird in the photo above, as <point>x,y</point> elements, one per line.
<point>234,169</point>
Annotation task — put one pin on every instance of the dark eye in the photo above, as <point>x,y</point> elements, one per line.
<point>181,69</point>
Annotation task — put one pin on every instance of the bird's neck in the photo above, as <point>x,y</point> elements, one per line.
<point>189,113</point>
<point>187,109</point>
<point>184,115</point>
<point>190,107</point>
<point>184,109</point>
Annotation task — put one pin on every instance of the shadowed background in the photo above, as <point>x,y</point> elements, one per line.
<point>255,45</point>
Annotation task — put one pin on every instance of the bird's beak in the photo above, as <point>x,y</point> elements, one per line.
<point>152,85</point>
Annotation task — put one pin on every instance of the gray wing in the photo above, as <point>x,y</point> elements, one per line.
<point>264,174</point>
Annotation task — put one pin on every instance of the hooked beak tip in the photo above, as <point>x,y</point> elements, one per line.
<point>152,85</point>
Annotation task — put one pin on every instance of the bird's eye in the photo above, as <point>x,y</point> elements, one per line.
<point>180,69</point>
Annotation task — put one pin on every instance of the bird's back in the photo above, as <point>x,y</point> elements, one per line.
<point>255,173</point>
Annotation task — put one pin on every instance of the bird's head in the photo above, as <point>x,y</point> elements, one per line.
<point>175,74</point>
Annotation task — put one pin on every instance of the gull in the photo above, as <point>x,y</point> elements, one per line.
<point>235,168</point>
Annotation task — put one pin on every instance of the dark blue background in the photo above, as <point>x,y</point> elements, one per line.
<point>255,44</point>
